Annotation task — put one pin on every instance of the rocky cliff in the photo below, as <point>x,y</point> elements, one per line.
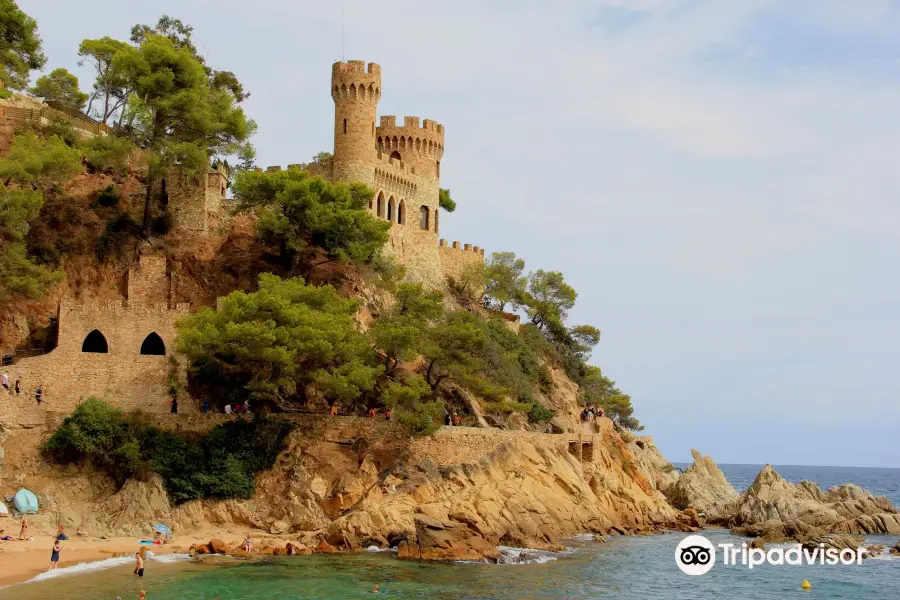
<point>358,482</point>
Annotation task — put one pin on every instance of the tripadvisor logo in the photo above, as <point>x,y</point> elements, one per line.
<point>696,555</point>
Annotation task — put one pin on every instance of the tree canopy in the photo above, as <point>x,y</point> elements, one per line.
<point>112,88</point>
<point>20,46</point>
<point>503,280</point>
<point>297,210</point>
<point>33,161</point>
<point>182,118</point>
<point>60,86</point>
<point>445,201</point>
<point>281,343</point>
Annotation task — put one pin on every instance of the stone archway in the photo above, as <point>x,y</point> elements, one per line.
<point>153,345</point>
<point>95,343</point>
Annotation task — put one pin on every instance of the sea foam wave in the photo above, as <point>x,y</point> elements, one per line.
<point>85,567</point>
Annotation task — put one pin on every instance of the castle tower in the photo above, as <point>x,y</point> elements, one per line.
<point>356,91</point>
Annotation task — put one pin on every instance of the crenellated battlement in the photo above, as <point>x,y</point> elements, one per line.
<point>461,247</point>
<point>426,139</point>
<point>353,81</point>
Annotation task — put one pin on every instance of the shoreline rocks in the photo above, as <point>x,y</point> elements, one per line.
<point>775,509</point>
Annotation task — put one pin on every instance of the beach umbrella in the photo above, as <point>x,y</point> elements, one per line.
<point>25,501</point>
<point>163,530</point>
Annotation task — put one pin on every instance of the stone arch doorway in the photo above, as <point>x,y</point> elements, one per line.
<point>153,345</point>
<point>401,213</point>
<point>95,343</point>
<point>379,205</point>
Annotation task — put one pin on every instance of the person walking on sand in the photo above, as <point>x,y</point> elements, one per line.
<point>138,564</point>
<point>54,555</point>
<point>23,533</point>
<point>18,386</point>
<point>4,381</point>
<point>39,393</point>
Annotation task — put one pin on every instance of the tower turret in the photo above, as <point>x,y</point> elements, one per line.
<point>356,91</point>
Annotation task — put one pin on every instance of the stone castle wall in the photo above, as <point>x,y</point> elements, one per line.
<point>197,201</point>
<point>122,375</point>
<point>457,259</point>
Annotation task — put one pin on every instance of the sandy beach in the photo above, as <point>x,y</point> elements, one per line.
<point>24,560</point>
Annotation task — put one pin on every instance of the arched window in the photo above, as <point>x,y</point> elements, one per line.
<point>396,155</point>
<point>437,212</point>
<point>423,217</point>
<point>401,212</point>
<point>390,209</point>
<point>153,345</point>
<point>437,168</point>
<point>95,342</point>
<point>379,206</point>
<point>345,125</point>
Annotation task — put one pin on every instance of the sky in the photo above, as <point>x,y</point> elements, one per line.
<point>718,180</point>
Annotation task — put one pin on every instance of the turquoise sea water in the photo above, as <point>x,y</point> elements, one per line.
<point>629,568</point>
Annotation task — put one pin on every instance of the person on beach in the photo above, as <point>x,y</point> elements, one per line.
<point>143,595</point>
<point>54,556</point>
<point>228,409</point>
<point>4,381</point>
<point>61,533</point>
<point>375,589</point>
<point>248,544</point>
<point>334,410</point>
<point>138,564</point>
<point>39,393</point>
<point>18,386</point>
<point>5,538</point>
<point>372,413</point>
<point>247,406</point>
<point>205,408</point>
<point>23,533</point>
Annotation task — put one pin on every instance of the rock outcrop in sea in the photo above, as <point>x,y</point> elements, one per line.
<point>703,488</point>
<point>775,509</point>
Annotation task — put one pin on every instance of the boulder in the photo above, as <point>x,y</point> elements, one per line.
<point>217,546</point>
<point>449,541</point>
<point>895,549</point>
<point>703,487</point>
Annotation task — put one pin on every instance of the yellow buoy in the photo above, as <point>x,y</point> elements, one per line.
<point>806,584</point>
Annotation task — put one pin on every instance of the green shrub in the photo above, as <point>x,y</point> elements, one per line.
<point>425,419</point>
<point>108,196</point>
<point>63,129</point>
<point>107,154</point>
<point>4,94</point>
<point>45,254</point>
<point>539,413</point>
<point>223,464</point>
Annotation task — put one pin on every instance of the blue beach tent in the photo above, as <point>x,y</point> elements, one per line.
<point>25,501</point>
